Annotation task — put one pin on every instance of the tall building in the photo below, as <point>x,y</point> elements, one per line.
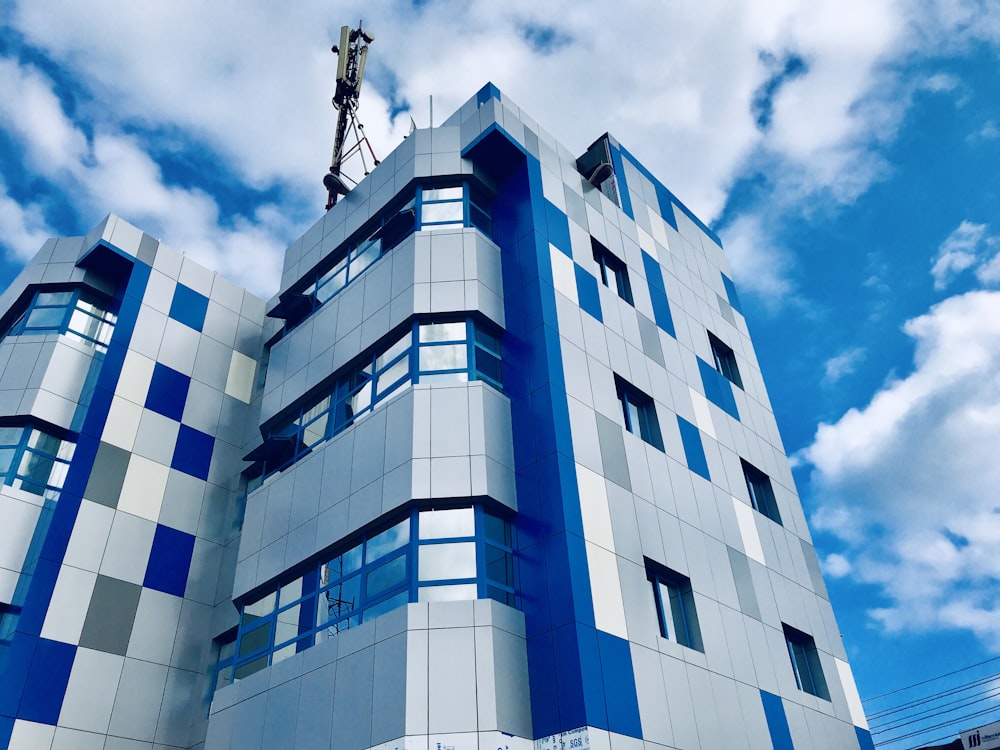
<point>495,469</point>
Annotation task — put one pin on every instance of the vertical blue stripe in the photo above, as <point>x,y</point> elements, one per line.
<point>658,293</point>
<point>694,451</point>
<point>718,389</point>
<point>622,184</point>
<point>734,300</point>
<point>777,722</point>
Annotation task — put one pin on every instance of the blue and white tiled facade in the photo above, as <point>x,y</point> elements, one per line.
<point>511,480</point>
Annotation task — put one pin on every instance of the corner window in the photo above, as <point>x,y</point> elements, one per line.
<point>428,555</point>
<point>75,313</point>
<point>805,662</point>
<point>431,208</point>
<point>760,491</point>
<point>612,270</point>
<point>33,460</point>
<point>427,352</point>
<point>639,413</point>
<point>725,361</point>
<point>674,605</point>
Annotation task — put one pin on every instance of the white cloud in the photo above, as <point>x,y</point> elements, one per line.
<point>968,246</point>
<point>842,365</point>
<point>759,266</point>
<point>908,482</point>
<point>22,227</point>
<point>248,86</point>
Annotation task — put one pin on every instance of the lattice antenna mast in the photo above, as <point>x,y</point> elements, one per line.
<point>351,55</point>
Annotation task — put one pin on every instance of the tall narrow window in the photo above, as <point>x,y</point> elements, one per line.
<point>639,413</point>
<point>613,272</point>
<point>674,605</point>
<point>725,361</point>
<point>805,662</point>
<point>760,491</point>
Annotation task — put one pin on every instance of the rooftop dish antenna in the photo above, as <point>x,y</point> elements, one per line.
<point>351,54</point>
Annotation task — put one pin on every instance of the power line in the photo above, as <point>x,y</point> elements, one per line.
<point>933,696</point>
<point>937,726</point>
<point>923,716</point>
<point>930,679</point>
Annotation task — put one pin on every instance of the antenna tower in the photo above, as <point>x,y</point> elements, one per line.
<point>351,54</point>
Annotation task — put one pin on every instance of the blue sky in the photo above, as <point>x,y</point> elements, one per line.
<point>845,151</point>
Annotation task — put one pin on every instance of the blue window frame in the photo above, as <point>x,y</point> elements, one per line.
<point>725,360</point>
<point>424,352</point>
<point>33,460</point>
<point>639,413</point>
<point>613,272</point>
<point>761,493</point>
<point>431,208</point>
<point>76,313</point>
<point>675,608</point>
<point>450,554</point>
<point>805,662</point>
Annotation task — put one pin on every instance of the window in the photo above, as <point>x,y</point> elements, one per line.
<point>613,272</point>
<point>674,605</point>
<point>725,361</point>
<point>760,491</point>
<point>427,555</point>
<point>639,413</point>
<point>426,352</point>
<point>76,313</point>
<point>33,460</point>
<point>431,208</point>
<point>805,662</point>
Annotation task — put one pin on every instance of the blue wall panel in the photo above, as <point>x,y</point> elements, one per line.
<point>718,389</point>
<point>48,677</point>
<point>619,685</point>
<point>694,451</point>
<point>864,739</point>
<point>777,722</point>
<point>658,293</point>
<point>189,307</point>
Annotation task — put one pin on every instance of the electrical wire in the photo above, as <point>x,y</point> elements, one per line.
<point>930,679</point>
<point>923,716</point>
<point>937,726</point>
<point>933,696</point>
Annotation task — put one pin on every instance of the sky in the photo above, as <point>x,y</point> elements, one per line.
<point>846,152</point>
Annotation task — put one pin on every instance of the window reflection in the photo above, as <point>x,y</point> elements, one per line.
<point>430,555</point>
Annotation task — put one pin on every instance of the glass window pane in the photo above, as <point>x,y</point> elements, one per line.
<point>497,529</point>
<point>443,524</point>
<point>44,442</point>
<point>392,375</point>
<point>446,357</point>
<point>332,283</point>
<point>46,317</point>
<point>389,540</point>
<point>54,298</point>
<point>6,456</point>
<point>488,366</point>
<point>452,593</point>
<point>245,670</point>
<point>10,435</point>
<point>290,592</point>
<point>385,577</point>
<point>339,600</point>
<point>364,256</point>
<point>442,332</point>
<point>287,626</point>
<point>255,639</point>
<point>442,194</point>
<point>35,467</point>
<point>393,351</point>
<point>487,341</point>
<point>342,565</point>
<point>84,324</point>
<point>447,561</point>
<point>255,610</point>
<point>358,402</point>
<point>499,566</point>
<point>403,597</point>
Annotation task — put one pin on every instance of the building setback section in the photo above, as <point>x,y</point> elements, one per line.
<point>495,468</point>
